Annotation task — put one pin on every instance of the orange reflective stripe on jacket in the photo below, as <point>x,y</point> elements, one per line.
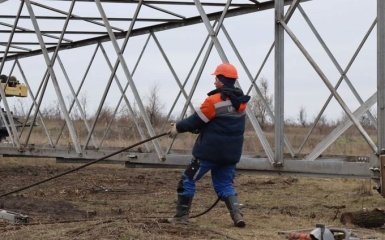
<point>214,106</point>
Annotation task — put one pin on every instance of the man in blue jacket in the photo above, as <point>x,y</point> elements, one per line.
<point>220,122</point>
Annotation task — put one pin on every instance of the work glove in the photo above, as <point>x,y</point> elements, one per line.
<point>173,131</point>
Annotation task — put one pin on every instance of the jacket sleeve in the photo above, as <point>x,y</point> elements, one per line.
<point>207,110</point>
<point>197,120</point>
<point>192,123</point>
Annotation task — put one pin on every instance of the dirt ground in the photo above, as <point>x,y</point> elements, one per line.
<point>114,202</point>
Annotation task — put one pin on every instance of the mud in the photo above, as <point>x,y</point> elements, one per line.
<point>113,202</point>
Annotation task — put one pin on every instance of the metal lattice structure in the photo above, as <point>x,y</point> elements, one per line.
<point>57,38</point>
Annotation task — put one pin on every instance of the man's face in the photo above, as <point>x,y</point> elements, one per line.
<point>217,83</point>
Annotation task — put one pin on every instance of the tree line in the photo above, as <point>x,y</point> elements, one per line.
<point>260,105</point>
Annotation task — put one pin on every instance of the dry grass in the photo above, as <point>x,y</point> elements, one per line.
<point>123,133</point>
<point>351,143</point>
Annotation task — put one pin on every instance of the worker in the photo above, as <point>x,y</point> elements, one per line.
<point>3,78</point>
<point>220,122</point>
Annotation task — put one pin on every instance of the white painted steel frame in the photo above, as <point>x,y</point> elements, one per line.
<point>214,23</point>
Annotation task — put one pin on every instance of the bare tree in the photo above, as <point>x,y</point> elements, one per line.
<point>323,124</point>
<point>302,116</point>
<point>84,104</point>
<point>366,121</point>
<point>52,111</point>
<point>257,104</point>
<point>106,114</point>
<point>154,106</point>
<point>76,111</point>
<point>19,108</point>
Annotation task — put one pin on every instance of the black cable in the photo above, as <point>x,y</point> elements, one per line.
<point>207,210</point>
<point>98,160</point>
<point>83,166</point>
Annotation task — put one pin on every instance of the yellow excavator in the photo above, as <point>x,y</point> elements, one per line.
<point>12,88</point>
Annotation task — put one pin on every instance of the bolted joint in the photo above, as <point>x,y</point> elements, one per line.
<point>278,164</point>
<point>21,149</point>
<point>374,169</point>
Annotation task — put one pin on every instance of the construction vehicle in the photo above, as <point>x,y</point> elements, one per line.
<point>12,88</point>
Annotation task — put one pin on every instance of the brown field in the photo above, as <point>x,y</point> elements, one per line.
<point>113,202</point>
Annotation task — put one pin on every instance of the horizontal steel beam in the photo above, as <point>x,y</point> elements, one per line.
<point>359,167</point>
<point>155,28</point>
<point>94,18</point>
<point>27,43</point>
<point>56,32</point>
<point>339,167</point>
<point>181,3</point>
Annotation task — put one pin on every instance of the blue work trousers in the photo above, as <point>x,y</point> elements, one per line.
<point>222,177</point>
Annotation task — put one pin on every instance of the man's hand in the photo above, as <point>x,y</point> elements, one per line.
<point>172,132</point>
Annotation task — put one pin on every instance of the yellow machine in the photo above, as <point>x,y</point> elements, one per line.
<point>12,87</point>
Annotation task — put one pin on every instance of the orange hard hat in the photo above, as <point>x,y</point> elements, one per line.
<point>227,70</point>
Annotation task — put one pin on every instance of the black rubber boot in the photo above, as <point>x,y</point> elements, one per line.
<point>182,210</point>
<point>233,205</point>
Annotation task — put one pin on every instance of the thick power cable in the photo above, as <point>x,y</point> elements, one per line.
<point>207,210</point>
<point>84,165</point>
<point>98,160</point>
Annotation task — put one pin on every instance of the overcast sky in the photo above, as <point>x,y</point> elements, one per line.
<point>341,23</point>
